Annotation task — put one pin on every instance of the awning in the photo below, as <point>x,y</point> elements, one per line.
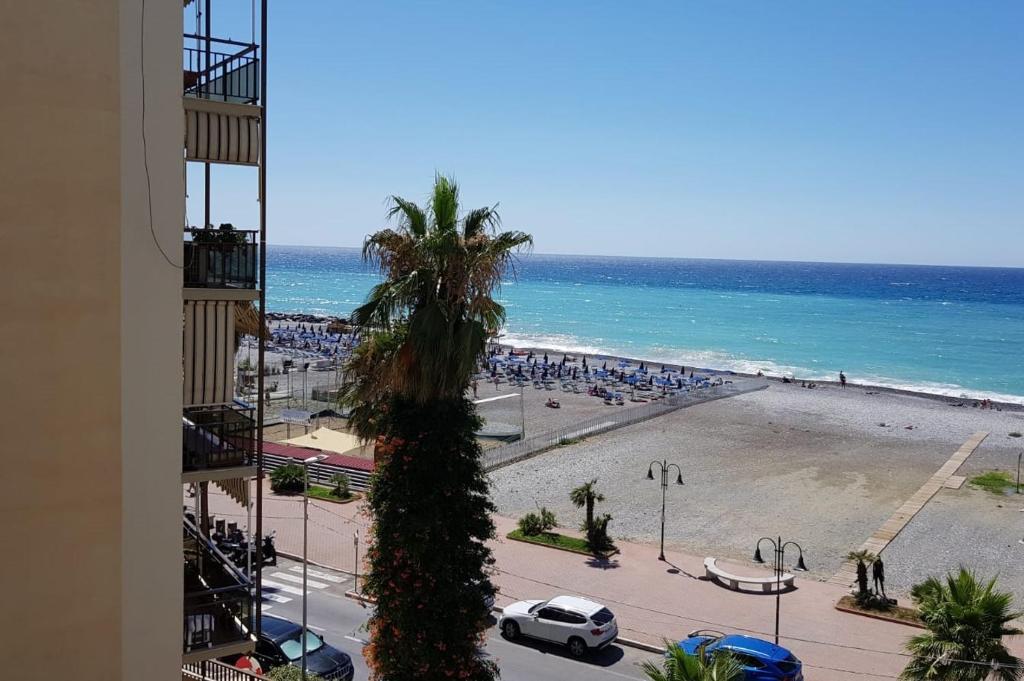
<point>328,440</point>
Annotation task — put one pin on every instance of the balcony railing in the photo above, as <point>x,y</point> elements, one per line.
<point>220,258</point>
<point>218,436</point>
<point>218,600</point>
<point>222,70</point>
<point>214,670</point>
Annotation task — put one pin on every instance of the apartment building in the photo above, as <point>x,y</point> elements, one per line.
<point>118,330</point>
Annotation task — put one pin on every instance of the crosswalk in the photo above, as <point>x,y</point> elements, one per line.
<point>280,583</point>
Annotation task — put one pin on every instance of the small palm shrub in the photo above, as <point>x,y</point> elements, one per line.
<point>288,479</point>
<point>680,666</point>
<point>340,487</point>
<point>533,524</point>
<point>967,619</point>
<point>547,520</point>
<point>598,538</point>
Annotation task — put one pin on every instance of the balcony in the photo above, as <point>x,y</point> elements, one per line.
<point>217,437</point>
<point>219,602</point>
<point>220,258</point>
<point>221,70</point>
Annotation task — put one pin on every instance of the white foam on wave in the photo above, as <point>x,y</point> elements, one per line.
<point>558,342</point>
<point>711,359</point>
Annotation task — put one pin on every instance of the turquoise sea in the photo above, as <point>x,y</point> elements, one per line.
<point>946,330</point>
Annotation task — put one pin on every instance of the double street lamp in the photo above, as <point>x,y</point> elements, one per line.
<point>306,463</point>
<point>664,466</point>
<point>778,564</point>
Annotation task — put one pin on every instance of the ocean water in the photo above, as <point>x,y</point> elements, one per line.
<point>946,330</point>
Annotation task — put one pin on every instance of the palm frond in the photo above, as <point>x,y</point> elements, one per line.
<point>435,305</point>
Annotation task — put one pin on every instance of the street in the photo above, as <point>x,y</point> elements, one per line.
<point>341,621</point>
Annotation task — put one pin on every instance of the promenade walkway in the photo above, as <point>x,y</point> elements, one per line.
<point>652,600</point>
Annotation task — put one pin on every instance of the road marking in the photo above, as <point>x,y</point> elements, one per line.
<point>492,399</point>
<point>319,574</point>
<point>357,640</point>
<point>264,607</point>
<point>298,580</point>
<point>277,598</point>
<point>281,587</point>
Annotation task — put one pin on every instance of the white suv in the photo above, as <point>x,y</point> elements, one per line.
<point>577,623</point>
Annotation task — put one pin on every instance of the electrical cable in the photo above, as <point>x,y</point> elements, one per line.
<point>145,146</point>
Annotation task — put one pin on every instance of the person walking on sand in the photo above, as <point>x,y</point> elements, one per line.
<point>842,379</point>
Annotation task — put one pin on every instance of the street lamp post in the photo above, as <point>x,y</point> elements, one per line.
<point>305,545</point>
<point>664,466</point>
<point>779,566</point>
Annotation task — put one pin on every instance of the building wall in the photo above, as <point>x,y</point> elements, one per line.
<point>90,492</point>
<point>151,341</point>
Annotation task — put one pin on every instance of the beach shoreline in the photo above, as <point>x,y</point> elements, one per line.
<point>966,401</point>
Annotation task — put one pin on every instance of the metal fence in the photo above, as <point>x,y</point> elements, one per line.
<point>322,472</point>
<point>525,448</point>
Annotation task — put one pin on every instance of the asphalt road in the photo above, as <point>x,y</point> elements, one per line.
<point>341,621</point>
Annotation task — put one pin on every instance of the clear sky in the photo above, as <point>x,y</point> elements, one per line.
<point>820,130</point>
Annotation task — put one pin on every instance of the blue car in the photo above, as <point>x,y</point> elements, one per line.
<point>760,660</point>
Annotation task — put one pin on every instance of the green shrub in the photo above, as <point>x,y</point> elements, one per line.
<point>341,486</point>
<point>547,520</point>
<point>288,479</point>
<point>531,525</point>
<point>597,537</point>
<point>289,673</point>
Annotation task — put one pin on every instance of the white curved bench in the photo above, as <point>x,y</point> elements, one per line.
<point>767,584</point>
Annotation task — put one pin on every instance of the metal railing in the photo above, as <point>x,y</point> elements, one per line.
<point>321,473</point>
<point>220,258</point>
<point>219,600</point>
<point>217,436</point>
<point>217,617</point>
<point>215,670</point>
<point>522,449</point>
<point>223,70</point>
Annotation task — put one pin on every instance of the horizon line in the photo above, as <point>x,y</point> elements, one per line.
<point>672,257</point>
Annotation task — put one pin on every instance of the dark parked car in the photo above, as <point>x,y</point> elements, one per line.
<point>279,645</point>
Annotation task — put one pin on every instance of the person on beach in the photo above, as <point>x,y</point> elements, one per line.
<point>842,379</point>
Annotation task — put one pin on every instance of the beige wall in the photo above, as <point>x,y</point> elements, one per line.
<point>151,314</point>
<point>89,492</point>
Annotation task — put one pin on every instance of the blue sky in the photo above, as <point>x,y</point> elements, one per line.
<point>841,131</point>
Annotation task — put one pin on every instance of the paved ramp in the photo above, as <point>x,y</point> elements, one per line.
<point>883,536</point>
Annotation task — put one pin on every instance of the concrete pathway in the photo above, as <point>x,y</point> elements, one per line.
<point>883,536</point>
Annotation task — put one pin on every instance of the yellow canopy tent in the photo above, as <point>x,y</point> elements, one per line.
<point>330,441</point>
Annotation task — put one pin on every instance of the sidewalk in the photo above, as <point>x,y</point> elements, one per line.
<point>651,599</point>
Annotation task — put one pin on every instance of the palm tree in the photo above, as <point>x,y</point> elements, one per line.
<point>681,666</point>
<point>966,622</point>
<point>586,495</point>
<point>863,558</point>
<point>424,328</point>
